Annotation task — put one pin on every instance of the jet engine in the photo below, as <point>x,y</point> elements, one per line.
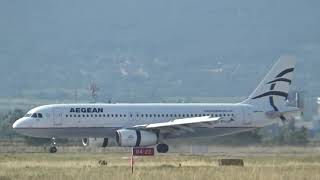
<point>99,142</point>
<point>136,138</point>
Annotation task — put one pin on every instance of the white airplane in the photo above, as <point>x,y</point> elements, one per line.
<point>141,125</point>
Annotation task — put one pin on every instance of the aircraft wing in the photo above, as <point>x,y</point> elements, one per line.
<point>181,125</point>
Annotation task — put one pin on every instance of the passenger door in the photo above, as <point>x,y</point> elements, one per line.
<point>57,117</point>
<point>247,121</point>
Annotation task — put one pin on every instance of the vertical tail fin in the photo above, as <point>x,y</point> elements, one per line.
<point>272,92</point>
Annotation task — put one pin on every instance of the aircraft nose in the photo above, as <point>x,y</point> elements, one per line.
<point>17,124</point>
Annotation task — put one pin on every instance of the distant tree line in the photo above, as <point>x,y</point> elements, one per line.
<point>6,121</point>
<point>288,134</point>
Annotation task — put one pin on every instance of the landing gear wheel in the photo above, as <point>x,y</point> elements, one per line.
<point>162,148</point>
<point>53,149</point>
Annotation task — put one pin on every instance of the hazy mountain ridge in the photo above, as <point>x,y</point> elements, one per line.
<point>149,50</point>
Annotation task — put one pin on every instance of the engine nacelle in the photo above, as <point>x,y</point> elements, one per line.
<point>136,138</point>
<point>98,142</point>
<point>85,142</point>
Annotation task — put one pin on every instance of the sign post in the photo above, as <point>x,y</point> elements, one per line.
<point>132,161</point>
<point>140,151</point>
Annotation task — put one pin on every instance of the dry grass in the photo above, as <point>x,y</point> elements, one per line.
<point>85,166</point>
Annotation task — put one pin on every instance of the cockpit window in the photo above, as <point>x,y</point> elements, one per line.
<point>39,115</point>
<point>35,115</point>
<point>27,115</point>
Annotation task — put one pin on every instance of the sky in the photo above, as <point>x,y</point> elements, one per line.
<point>51,43</point>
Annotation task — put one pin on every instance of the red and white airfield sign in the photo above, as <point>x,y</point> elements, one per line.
<point>140,151</point>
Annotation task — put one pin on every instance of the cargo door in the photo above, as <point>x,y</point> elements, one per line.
<point>134,118</point>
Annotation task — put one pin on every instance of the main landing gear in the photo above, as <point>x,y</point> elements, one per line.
<point>162,148</point>
<point>53,148</point>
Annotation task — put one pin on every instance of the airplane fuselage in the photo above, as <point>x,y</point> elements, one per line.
<point>102,120</point>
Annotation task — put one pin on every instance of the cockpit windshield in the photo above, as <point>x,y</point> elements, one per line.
<point>27,115</point>
<point>34,115</point>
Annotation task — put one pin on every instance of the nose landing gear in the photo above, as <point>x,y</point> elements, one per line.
<point>53,148</point>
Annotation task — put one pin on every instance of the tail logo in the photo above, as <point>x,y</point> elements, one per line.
<point>278,78</point>
<point>272,92</point>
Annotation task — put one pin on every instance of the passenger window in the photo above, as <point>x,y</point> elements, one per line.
<point>95,115</point>
<point>120,115</point>
<point>74,115</point>
<point>116,115</point>
<point>104,115</point>
<point>83,115</point>
<point>66,115</point>
<point>87,115</point>
<point>124,115</point>
<point>91,115</point>
<point>79,115</point>
<point>99,115</point>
